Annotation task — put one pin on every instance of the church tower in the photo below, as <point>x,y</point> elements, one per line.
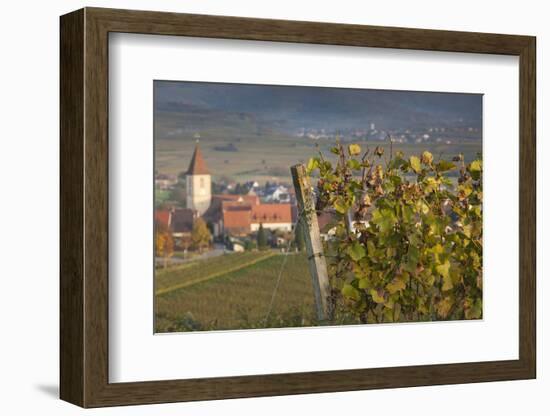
<point>198,183</point>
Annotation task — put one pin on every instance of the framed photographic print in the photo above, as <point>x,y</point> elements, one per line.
<point>257,207</point>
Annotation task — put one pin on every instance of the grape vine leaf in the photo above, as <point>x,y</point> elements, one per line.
<point>415,164</point>
<point>354,149</point>
<point>312,164</point>
<point>350,292</point>
<point>356,251</point>
<point>396,285</point>
<point>377,295</point>
<point>340,205</point>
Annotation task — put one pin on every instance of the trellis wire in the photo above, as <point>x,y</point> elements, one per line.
<point>283,263</point>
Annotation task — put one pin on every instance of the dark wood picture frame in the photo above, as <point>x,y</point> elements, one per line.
<point>84,207</point>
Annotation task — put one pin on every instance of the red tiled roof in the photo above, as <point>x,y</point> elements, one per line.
<point>197,165</point>
<point>163,217</point>
<point>214,212</point>
<point>235,206</point>
<point>237,220</point>
<point>271,213</point>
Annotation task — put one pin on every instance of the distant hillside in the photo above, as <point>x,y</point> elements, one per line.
<point>253,109</point>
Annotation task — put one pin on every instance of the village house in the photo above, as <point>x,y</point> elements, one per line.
<point>241,218</point>
<point>182,222</point>
<point>164,182</point>
<point>163,218</point>
<point>279,193</point>
<point>178,220</point>
<point>271,216</point>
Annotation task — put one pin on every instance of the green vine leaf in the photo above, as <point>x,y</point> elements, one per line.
<point>384,219</point>
<point>396,285</point>
<point>415,164</point>
<point>427,158</point>
<point>475,169</point>
<point>473,308</point>
<point>377,295</point>
<point>356,251</point>
<point>350,292</point>
<point>443,268</point>
<point>340,206</point>
<point>444,166</point>
<point>475,166</point>
<point>447,283</point>
<point>312,164</point>
<point>354,164</point>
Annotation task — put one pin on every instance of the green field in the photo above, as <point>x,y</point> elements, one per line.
<point>200,271</point>
<point>234,291</point>
<point>269,156</point>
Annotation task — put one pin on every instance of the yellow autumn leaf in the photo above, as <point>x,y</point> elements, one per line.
<point>377,295</point>
<point>396,285</point>
<point>354,149</point>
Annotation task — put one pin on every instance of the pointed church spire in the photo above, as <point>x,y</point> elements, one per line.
<point>197,165</point>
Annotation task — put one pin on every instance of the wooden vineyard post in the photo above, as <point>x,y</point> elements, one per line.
<point>314,245</point>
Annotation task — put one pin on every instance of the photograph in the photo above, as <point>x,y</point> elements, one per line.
<point>295,206</point>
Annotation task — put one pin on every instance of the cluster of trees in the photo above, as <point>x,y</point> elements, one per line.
<point>164,243</point>
<point>199,240</point>
<point>200,236</point>
<point>262,239</point>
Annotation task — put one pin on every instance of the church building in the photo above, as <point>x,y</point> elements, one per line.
<point>198,183</point>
